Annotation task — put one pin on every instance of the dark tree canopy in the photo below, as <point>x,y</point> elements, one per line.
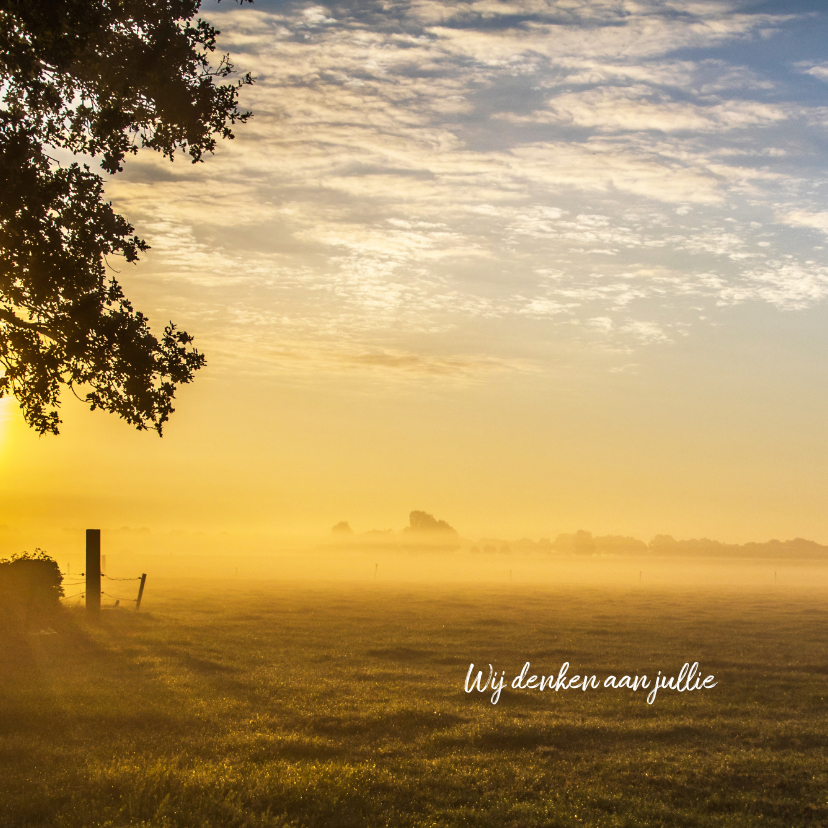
<point>103,78</point>
<point>424,522</point>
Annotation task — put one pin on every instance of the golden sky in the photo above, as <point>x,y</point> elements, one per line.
<point>530,266</point>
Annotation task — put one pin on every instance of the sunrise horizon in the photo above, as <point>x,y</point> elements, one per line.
<point>529,267</point>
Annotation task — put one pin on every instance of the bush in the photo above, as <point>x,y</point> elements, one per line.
<point>30,590</point>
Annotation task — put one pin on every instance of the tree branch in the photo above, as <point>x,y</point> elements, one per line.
<point>8,316</point>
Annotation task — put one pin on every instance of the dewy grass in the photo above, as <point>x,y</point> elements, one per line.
<point>289,706</point>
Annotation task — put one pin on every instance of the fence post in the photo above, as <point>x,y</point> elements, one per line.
<point>93,573</point>
<point>140,592</point>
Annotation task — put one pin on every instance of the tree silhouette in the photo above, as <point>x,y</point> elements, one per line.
<point>424,522</point>
<point>102,78</point>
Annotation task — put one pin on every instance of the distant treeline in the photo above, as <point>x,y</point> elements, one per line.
<point>427,534</point>
<point>581,544</point>
<point>584,543</point>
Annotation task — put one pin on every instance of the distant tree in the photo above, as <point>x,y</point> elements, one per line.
<point>101,78</point>
<point>342,528</point>
<point>584,543</point>
<point>424,522</point>
<point>619,544</point>
<point>661,541</point>
<point>581,543</point>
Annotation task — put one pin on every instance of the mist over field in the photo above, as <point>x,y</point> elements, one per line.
<point>387,557</point>
<point>416,677</point>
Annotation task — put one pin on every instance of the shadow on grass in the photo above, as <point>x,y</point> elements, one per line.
<point>401,654</point>
<point>197,664</point>
<point>399,724</point>
<point>86,683</point>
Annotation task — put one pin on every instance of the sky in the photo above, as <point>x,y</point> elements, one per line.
<point>530,266</point>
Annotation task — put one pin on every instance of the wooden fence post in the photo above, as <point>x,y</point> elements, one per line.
<point>140,592</point>
<point>93,573</point>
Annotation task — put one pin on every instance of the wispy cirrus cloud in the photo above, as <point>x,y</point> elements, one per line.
<point>417,169</point>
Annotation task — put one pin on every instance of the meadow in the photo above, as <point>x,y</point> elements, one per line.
<point>263,703</point>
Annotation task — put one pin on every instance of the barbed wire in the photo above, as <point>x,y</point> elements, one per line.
<point>79,578</point>
<point>108,595</point>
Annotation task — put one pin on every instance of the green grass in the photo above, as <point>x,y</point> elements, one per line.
<point>344,706</point>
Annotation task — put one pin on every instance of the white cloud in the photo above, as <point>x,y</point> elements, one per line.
<point>523,161</point>
<point>637,108</point>
<point>819,70</point>
<point>804,218</point>
<point>787,285</point>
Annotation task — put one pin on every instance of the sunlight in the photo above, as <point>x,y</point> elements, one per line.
<point>6,413</point>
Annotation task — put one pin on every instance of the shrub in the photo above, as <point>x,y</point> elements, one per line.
<point>30,590</point>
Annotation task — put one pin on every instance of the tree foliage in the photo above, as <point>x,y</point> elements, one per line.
<point>102,78</point>
<point>424,522</point>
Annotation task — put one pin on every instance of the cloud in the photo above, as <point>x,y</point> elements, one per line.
<point>299,357</point>
<point>424,179</point>
<point>819,70</point>
<point>638,108</point>
<point>637,33</point>
<point>803,218</point>
<point>789,286</point>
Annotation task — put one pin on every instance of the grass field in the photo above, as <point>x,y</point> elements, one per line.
<point>290,705</point>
